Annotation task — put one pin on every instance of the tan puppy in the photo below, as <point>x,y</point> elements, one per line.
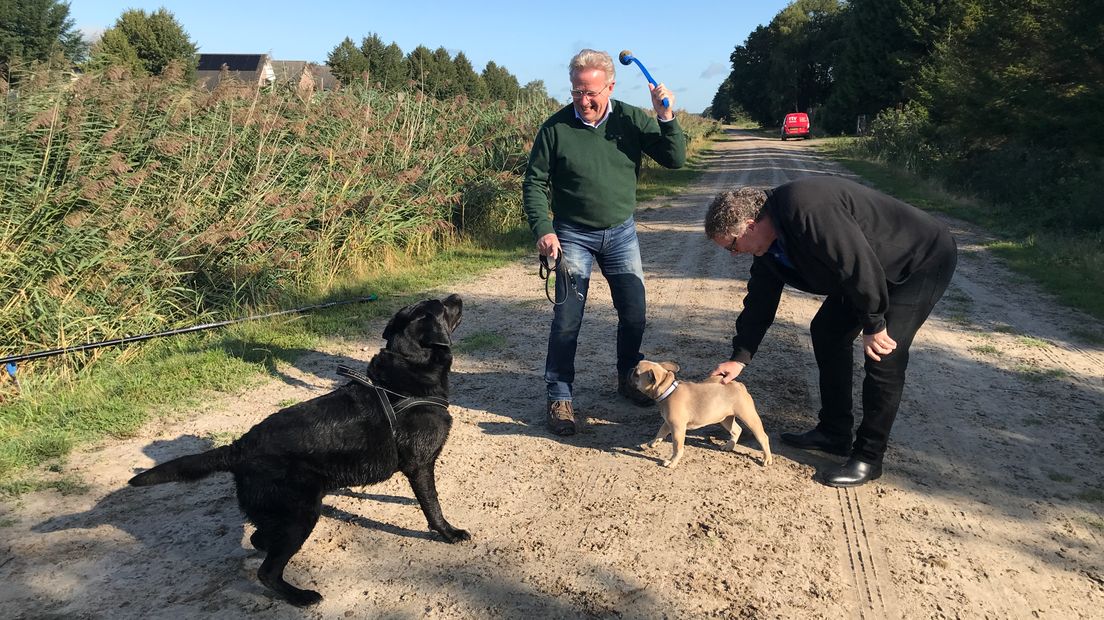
<point>686,406</point>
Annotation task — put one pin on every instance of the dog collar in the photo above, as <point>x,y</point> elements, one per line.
<point>667,392</point>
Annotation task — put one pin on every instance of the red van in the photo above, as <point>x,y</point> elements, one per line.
<point>795,125</point>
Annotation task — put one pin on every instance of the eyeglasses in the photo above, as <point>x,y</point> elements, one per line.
<point>579,94</point>
<point>732,246</point>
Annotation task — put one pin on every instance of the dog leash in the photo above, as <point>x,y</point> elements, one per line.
<point>391,411</point>
<point>562,273</point>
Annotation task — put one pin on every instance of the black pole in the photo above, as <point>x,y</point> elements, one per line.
<point>173,332</point>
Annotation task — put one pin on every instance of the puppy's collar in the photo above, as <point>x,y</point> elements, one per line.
<point>667,392</point>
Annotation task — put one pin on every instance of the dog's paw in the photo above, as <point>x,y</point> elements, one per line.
<point>455,535</point>
<point>259,542</point>
<point>767,460</point>
<point>670,464</point>
<point>645,446</point>
<point>730,446</point>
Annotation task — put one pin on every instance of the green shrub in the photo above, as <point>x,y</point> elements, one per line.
<point>1047,188</point>
<point>490,206</point>
<point>901,137</point>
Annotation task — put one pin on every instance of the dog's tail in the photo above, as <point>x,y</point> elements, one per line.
<point>186,468</point>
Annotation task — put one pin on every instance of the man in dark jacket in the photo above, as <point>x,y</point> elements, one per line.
<point>882,265</point>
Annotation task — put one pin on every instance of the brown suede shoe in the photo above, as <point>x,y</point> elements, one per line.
<point>561,417</point>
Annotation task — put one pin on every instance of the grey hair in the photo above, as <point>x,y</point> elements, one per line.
<point>729,210</point>
<point>591,59</point>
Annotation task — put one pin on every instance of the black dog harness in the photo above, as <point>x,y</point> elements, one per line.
<point>562,275</point>
<point>391,411</point>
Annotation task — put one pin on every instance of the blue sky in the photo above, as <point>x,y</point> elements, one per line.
<point>683,44</point>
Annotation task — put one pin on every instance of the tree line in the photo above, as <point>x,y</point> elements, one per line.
<point>1000,97</point>
<point>437,72</point>
<point>41,33</point>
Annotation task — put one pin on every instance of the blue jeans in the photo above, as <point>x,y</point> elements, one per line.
<point>617,252</point>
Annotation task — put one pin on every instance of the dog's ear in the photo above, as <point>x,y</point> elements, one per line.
<point>433,328</point>
<point>399,322</point>
<point>673,367</point>
<point>454,310</point>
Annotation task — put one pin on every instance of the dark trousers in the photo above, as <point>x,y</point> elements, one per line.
<point>834,329</point>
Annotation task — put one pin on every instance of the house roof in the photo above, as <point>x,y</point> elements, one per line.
<point>233,62</point>
<point>246,68</point>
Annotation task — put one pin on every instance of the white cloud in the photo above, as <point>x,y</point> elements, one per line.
<point>715,69</point>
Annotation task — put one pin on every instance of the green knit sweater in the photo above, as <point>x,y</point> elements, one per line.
<point>587,175</point>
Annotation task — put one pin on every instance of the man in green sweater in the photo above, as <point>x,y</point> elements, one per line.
<point>583,169</point>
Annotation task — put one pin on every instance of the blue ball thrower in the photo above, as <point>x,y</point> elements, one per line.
<point>626,58</point>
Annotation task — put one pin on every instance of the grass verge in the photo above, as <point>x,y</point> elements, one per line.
<point>656,181</point>
<point>1069,266</point>
<point>59,409</point>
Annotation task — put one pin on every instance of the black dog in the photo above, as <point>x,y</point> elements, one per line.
<point>284,465</point>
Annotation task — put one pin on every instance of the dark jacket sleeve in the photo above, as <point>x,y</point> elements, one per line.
<point>664,142</point>
<point>536,189</point>
<point>764,290</point>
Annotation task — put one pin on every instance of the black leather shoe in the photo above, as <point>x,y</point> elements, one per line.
<point>853,473</point>
<point>816,440</point>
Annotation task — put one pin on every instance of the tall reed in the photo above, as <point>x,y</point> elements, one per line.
<point>131,205</point>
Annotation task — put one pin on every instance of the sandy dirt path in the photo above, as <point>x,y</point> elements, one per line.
<point>990,507</point>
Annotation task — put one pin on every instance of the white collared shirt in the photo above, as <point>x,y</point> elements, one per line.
<point>609,107</point>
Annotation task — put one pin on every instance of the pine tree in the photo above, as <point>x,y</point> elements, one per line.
<point>38,30</point>
<point>470,83</point>
<point>390,68</point>
<point>421,68</point>
<point>445,85</point>
<point>348,63</point>
<point>501,84</point>
<point>385,62</point>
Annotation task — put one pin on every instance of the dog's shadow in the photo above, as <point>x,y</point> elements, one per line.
<point>170,517</point>
<point>606,421</point>
<point>361,521</point>
<point>712,437</point>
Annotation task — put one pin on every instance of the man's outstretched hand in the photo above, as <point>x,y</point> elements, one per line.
<point>728,371</point>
